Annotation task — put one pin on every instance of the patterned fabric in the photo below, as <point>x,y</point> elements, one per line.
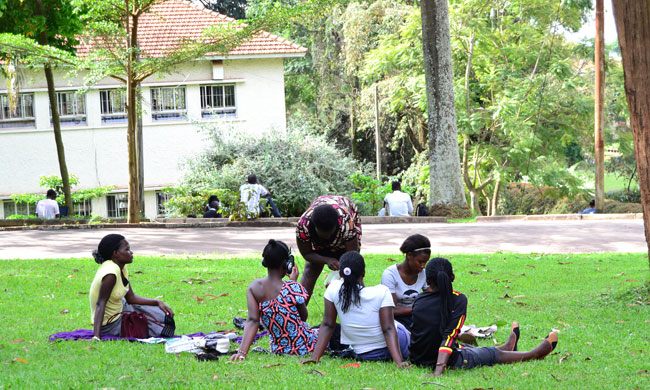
<point>349,225</point>
<point>289,335</point>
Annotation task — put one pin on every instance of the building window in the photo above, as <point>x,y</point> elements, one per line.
<point>84,208</point>
<point>161,199</point>
<point>22,114</point>
<point>218,100</point>
<point>113,105</point>
<point>168,103</point>
<point>11,208</point>
<point>117,205</point>
<point>72,108</point>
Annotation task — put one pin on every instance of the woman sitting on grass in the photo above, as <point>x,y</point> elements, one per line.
<point>111,294</point>
<point>438,316</point>
<point>366,315</point>
<point>280,304</point>
<point>407,279</point>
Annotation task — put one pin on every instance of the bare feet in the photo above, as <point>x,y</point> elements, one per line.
<point>513,338</point>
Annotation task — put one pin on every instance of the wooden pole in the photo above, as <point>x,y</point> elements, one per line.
<point>377,141</point>
<point>599,143</point>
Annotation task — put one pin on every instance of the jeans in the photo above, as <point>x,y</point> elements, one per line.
<point>404,338</point>
<point>274,209</point>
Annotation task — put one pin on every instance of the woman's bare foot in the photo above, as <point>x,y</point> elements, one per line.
<point>513,338</point>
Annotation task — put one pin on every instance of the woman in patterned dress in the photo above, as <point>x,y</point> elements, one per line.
<point>280,305</point>
<point>329,228</point>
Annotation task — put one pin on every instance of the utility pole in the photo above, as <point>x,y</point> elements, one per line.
<point>599,143</point>
<point>377,141</point>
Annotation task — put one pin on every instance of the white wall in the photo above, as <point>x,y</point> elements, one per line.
<point>97,153</point>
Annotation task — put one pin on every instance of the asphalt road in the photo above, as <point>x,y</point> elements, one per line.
<point>517,236</point>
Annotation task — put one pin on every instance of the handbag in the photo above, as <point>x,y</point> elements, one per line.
<point>135,325</point>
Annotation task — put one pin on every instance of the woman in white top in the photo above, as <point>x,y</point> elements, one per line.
<point>366,315</point>
<point>407,279</point>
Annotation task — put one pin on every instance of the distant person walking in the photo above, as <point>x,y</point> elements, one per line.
<point>251,193</point>
<point>48,208</point>
<point>399,203</point>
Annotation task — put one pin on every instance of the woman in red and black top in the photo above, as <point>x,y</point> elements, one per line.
<point>438,316</point>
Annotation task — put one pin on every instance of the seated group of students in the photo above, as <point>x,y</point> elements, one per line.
<point>413,314</point>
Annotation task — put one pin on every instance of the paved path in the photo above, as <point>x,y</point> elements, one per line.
<point>518,236</point>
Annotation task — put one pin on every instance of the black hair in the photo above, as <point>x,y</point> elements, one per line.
<point>592,203</point>
<point>252,179</point>
<point>274,253</point>
<point>397,186</point>
<point>440,274</point>
<point>51,193</point>
<point>325,217</point>
<point>213,198</point>
<point>351,267</point>
<point>413,242</point>
<point>109,244</point>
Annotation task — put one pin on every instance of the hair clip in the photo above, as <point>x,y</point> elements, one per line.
<point>347,271</point>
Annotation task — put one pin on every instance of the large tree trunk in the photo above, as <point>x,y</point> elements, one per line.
<point>132,122</point>
<point>444,159</point>
<point>633,25</point>
<point>56,123</point>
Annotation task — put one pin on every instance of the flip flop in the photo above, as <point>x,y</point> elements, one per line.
<point>552,339</point>
<point>515,330</point>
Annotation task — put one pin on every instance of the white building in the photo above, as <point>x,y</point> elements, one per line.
<point>244,90</point>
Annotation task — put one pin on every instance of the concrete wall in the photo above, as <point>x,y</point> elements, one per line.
<point>97,152</point>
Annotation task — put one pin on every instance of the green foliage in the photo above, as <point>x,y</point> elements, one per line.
<point>624,166</point>
<point>369,193</point>
<point>189,199</point>
<point>54,182</point>
<point>296,166</point>
<point>625,196</point>
<point>20,216</point>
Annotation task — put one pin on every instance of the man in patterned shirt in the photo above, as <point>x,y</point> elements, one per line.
<point>329,228</point>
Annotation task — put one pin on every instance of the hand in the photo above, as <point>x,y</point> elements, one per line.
<point>333,264</point>
<point>308,361</point>
<point>404,365</point>
<point>238,357</point>
<point>295,272</point>
<point>166,309</point>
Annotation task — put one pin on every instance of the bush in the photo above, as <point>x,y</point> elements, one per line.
<point>296,166</point>
<point>624,196</point>
<point>20,216</point>
<point>188,200</point>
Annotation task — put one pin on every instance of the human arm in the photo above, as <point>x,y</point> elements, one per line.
<point>401,310</point>
<point>250,328</point>
<point>390,334</point>
<point>353,244</point>
<point>138,300</point>
<point>300,303</point>
<point>325,333</point>
<point>451,332</point>
<point>314,258</point>
<point>105,289</point>
<point>409,204</point>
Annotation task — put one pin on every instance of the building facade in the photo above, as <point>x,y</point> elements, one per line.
<point>243,90</point>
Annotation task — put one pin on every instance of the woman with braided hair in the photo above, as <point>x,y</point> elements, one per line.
<point>366,315</point>
<point>438,316</point>
<point>111,294</point>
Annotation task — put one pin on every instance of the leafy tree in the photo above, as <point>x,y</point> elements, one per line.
<point>51,22</point>
<point>233,8</point>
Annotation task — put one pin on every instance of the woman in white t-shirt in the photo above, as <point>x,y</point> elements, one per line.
<point>366,315</point>
<point>407,279</point>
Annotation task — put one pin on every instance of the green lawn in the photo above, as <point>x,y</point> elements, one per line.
<point>599,303</point>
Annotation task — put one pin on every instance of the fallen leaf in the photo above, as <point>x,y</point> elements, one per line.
<point>82,293</point>
<point>630,280</point>
<point>220,323</point>
<point>65,311</point>
<point>473,272</point>
<point>519,296</point>
<point>124,377</point>
<point>561,263</point>
<point>199,300</point>
<point>138,272</point>
<point>642,372</point>
<point>587,358</point>
<point>520,303</point>
<point>590,343</point>
<point>215,377</point>
<point>620,322</point>
<point>439,384</point>
<point>525,374</point>
<point>480,265</point>
<point>523,274</point>
<point>563,323</point>
<point>75,270</point>
<point>71,276</point>
<point>355,365</point>
<point>19,360</point>
<point>557,378</point>
<point>505,296</point>
<point>530,266</point>
<point>273,365</point>
<point>484,297</point>
<point>219,296</point>
<point>17,341</point>
<point>389,259</point>
<point>563,358</point>
<point>317,372</point>
<point>89,348</point>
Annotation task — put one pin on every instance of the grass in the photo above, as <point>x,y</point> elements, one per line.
<point>598,302</point>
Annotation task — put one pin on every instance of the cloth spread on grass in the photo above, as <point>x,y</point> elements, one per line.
<point>87,334</point>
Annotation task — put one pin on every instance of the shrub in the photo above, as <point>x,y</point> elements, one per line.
<point>625,196</point>
<point>296,166</point>
<point>369,192</point>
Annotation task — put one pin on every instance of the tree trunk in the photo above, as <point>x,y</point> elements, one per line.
<point>56,123</point>
<point>132,121</point>
<point>633,26</point>
<point>495,197</point>
<point>444,159</point>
